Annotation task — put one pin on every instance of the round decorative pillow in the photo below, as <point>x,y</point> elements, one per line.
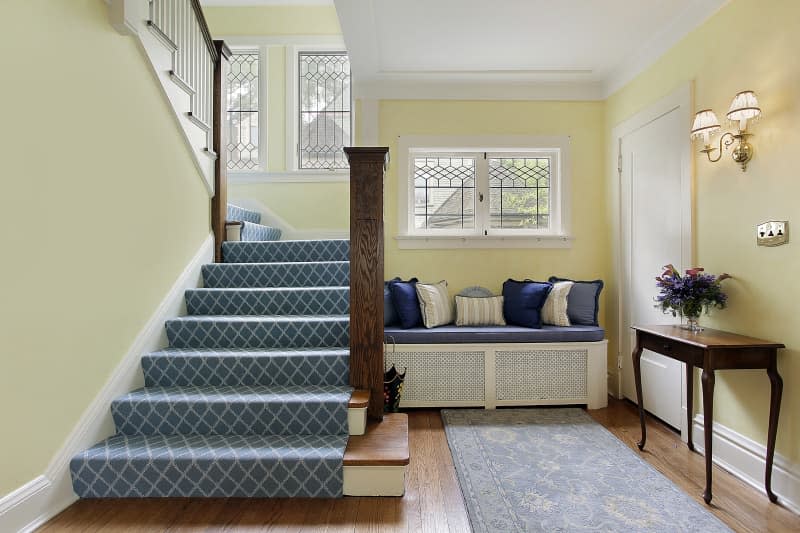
<point>476,292</point>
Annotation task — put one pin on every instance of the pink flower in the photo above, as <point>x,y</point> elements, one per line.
<point>694,271</point>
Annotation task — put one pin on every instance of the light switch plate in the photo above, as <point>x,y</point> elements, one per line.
<point>772,233</point>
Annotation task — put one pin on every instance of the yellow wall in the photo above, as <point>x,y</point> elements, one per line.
<point>749,44</point>
<point>94,234</point>
<point>582,121</point>
<point>273,20</point>
<point>305,206</point>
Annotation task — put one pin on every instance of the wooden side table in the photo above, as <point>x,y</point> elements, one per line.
<point>712,350</point>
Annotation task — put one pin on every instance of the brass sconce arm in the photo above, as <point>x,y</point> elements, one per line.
<point>727,139</point>
<point>741,154</point>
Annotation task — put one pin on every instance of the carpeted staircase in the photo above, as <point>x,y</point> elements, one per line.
<point>251,397</point>
<point>251,228</point>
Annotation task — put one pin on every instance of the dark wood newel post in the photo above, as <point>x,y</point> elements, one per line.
<point>219,203</point>
<point>366,272</point>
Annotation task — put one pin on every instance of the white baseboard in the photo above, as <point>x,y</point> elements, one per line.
<point>37,501</point>
<point>746,459</point>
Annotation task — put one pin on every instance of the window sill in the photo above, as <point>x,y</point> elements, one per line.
<point>293,176</point>
<point>421,242</point>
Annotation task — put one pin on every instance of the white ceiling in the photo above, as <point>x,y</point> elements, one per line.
<point>523,48</point>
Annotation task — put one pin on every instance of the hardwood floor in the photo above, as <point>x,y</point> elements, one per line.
<point>433,501</point>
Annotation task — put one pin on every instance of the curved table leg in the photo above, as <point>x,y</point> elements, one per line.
<point>637,377</point>
<point>708,425</point>
<point>689,403</point>
<point>776,390</point>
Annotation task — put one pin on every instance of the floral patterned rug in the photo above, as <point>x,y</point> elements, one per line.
<point>559,470</point>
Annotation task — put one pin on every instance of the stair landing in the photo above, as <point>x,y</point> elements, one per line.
<point>375,463</point>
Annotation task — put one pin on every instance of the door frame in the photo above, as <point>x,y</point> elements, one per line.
<point>681,97</point>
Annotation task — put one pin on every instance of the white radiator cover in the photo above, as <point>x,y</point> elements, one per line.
<point>491,375</point>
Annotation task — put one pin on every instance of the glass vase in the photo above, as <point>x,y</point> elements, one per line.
<point>692,324</point>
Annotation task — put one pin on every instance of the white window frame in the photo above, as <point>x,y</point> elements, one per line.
<point>293,108</point>
<point>482,236</point>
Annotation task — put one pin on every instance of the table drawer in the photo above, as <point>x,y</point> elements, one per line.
<point>671,348</point>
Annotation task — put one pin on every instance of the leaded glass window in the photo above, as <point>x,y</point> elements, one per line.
<point>487,191</point>
<point>242,111</point>
<point>325,109</point>
<point>444,192</point>
<point>519,192</point>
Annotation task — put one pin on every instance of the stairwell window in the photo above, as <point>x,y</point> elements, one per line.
<point>243,111</point>
<point>483,192</point>
<point>324,109</point>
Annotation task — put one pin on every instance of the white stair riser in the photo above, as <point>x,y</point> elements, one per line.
<point>374,480</point>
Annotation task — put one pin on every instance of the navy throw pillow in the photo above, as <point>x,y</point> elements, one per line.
<point>523,301</point>
<point>406,302</point>
<point>583,301</point>
<point>389,314</point>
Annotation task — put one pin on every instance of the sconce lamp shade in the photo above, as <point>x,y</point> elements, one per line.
<point>705,125</point>
<point>743,108</point>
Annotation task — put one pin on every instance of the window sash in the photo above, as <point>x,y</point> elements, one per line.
<point>342,109</point>
<point>482,210</point>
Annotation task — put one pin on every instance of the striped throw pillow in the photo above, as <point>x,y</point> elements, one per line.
<point>554,311</point>
<point>479,311</point>
<point>435,304</point>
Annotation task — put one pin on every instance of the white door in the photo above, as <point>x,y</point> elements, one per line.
<point>655,231</point>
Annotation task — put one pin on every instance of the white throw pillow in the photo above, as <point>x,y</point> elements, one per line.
<point>435,304</point>
<point>486,311</point>
<point>554,311</point>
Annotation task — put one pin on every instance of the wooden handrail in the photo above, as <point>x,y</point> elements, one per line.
<point>367,166</point>
<point>201,18</point>
<point>219,203</point>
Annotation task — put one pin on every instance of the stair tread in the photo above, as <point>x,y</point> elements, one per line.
<point>359,399</point>
<point>247,393</point>
<point>260,318</point>
<point>249,352</point>
<point>385,443</point>
<point>273,263</point>
<point>270,289</point>
<point>186,447</point>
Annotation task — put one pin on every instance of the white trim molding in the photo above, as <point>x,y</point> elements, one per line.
<point>746,459</point>
<point>423,242</point>
<point>33,504</point>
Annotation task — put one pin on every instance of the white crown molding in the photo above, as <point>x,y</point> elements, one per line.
<point>692,17</point>
<point>30,506</point>
<point>399,89</point>
<point>746,459</point>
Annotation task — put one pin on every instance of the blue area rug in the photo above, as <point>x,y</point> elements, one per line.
<point>559,470</point>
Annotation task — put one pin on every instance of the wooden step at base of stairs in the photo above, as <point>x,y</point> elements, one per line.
<point>375,463</point>
<point>357,412</point>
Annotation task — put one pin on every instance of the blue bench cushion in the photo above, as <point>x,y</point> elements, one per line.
<point>492,334</point>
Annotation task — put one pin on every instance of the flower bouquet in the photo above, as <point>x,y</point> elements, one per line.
<point>691,294</point>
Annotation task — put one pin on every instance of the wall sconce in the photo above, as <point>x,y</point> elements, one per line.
<point>743,108</point>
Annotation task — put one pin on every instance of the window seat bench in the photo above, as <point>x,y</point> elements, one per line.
<point>457,366</point>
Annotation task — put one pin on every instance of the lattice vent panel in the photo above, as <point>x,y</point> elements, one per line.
<point>447,376</point>
<point>541,374</point>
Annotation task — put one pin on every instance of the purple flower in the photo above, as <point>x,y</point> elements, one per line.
<point>691,294</point>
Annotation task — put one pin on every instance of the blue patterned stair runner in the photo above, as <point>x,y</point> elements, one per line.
<point>250,398</point>
<point>260,275</point>
<point>252,230</point>
<point>285,251</point>
<point>173,367</point>
<point>269,301</point>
